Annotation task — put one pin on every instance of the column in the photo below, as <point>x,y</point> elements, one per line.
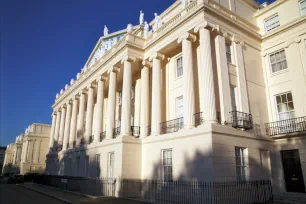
<point>73,124</point>
<point>51,141</point>
<point>89,113</point>
<point>99,109</point>
<point>80,124</point>
<point>243,99</point>
<point>144,101</point>
<point>207,82</point>
<point>111,102</point>
<point>62,124</point>
<point>67,125</point>
<point>137,103</point>
<point>57,127</point>
<point>156,93</point>
<point>188,92</point>
<point>126,96</point>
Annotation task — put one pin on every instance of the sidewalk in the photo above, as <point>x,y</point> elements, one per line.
<point>75,198</point>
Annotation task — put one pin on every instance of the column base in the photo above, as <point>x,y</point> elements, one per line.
<point>187,127</point>
<point>155,133</point>
<point>125,134</point>
<point>211,121</point>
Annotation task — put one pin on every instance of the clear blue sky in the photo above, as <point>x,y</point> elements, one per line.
<point>45,43</point>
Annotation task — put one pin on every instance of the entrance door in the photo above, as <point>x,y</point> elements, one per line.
<point>293,171</point>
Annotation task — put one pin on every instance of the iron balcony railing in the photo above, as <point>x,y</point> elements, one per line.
<point>74,144</point>
<point>116,131</point>
<point>149,131</point>
<point>286,126</point>
<point>242,120</point>
<point>90,139</point>
<point>102,136</point>
<point>171,126</point>
<point>198,118</point>
<point>135,131</point>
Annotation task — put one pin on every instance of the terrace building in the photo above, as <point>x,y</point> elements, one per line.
<point>216,91</point>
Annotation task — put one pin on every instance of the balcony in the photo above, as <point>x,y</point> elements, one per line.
<point>198,118</point>
<point>116,131</point>
<point>135,130</point>
<point>171,126</point>
<point>289,126</point>
<point>242,120</point>
<point>90,139</point>
<point>102,136</point>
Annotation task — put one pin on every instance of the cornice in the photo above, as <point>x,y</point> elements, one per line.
<point>269,7</point>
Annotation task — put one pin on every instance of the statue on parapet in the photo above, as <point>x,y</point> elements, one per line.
<point>141,18</point>
<point>158,21</point>
<point>146,29</point>
<point>105,31</point>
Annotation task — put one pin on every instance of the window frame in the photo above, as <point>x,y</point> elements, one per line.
<point>269,18</point>
<point>244,163</point>
<point>279,61</point>
<point>177,106</point>
<point>287,103</point>
<point>300,7</point>
<point>163,166</point>
<point>230,53</point>
<point>180,57</point>
<point>98,165</point>
<point>110,165</point>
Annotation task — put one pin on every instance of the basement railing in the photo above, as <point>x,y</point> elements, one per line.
<point>293,125</point>
<point>171,126</point>
<point>199,120</point>
<point>102,136</point>
<point>135,130</point>
<point>242,120</point>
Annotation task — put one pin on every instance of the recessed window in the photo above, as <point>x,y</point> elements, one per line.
<point>179,107</point>
<point>98,171</point>
<point>278,61</point>
<point>228,53</point>
<point>272,23</point>
<point>110,172</point>
<point>285,106</point>
<point>303,7</point>
<point>167,164</point>
<point>179,67</point>
<point>234,97</point>
<point>241,163</point>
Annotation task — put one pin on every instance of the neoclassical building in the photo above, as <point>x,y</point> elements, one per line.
<point>12,156</point>
<point>215,91</point>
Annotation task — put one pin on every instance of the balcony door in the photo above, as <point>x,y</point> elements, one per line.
<point>293,171</point>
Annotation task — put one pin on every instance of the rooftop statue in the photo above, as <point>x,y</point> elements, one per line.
<point>129,28</point>
<point>141,18</point>
<point>66,87</point>
<point>57,95</point>
<point>158,21</point>
<point>105,31</point>
<point>184,3</point>
<point>146,29</point>
<point>71,81</point>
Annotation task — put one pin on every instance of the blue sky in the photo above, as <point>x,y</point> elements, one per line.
<point>45,43</point>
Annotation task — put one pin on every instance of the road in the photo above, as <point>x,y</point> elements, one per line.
<point>13,194</point>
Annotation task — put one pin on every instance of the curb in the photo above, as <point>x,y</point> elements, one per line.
<point>46,194</point>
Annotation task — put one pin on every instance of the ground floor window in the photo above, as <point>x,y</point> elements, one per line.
<point>167,165</point>
<point>241,163</point>
<point>98,170</point>
<point>110,170</point>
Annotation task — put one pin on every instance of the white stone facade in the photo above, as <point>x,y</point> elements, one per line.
<point>169,93</point>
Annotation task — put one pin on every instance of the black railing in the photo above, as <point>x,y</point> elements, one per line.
<point>102,136</point>
<point>116,131</point>
<point>74,144</point>
<point>171,126</point>
<point>198,118</point>
<point>242,120</point>
<point>286,126</point>
<point>149,131</point>
<point>90,139</point>
<point>135,130</point>
<point>154,191</point>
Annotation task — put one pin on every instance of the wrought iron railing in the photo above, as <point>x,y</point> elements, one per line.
<point>286,126</point>
<point>116,131</point>
<point>149,131</point>
<point>90,139</point>
<point>83,141</point>
<point>171,126</point>
<point>74,144</point>
<point>198,118</point>
<point>135,130</point>
<point>242,120</point>
<point>102,136</point>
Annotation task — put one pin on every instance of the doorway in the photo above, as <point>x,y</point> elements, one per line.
<point>293,171</point>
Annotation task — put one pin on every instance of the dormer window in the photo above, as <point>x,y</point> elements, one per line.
<point>272,23</point>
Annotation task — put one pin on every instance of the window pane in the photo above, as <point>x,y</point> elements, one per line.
<point>278,99</point>
<point>290,106</point>
<point>289,97</point>
<point>284,98</point>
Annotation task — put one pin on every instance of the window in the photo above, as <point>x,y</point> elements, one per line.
<point>272,23</point>
<point>241,160</point>
<point>284,106</point>
<point>167,164</point>
<point>97,158</point>
<point>110,172</point>
<point>179,107</point>
<point>179,67</point>
<point>77,166</point>
<point>228,52</point>
<point>303,7</point>
<point>278,61</point>
<point>234,98</point>
<point>119,98</point>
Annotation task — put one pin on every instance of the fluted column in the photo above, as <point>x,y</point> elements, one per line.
<point>99,109</point>
<point>57,126</point>
<point>51,140</point>
<point>188,95</point>
<point>243,99</point>
<point>62,124</point>
<point>144,106</point>
<point>73,124</point>
<point>67,125</point>
<point>89,113</point>
<point>126,95</point>
<point>208,87</point>
<point>137,103</point>
<point>111,102</point>
<point>80,124</point>
<point>156,93</point>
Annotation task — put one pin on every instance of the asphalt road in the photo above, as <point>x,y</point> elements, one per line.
<point>13,194</point>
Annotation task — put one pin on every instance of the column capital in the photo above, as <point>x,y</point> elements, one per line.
<point>205,24</point>
<point>92,85</point>
<point>220,31</point>
<point>158,56</point>
<point>238,40</point>
<point>293,41</point>
<point>69,102</point>
<point>76,97</point>
<point>128,58</point>
<point>101,78</point>
<point>83,91</point>
<point>113,69</point>
<point>187,36</point>
<point>146,63</point>
<point>63,106</point>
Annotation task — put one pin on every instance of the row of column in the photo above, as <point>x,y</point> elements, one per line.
<point>67,123</point>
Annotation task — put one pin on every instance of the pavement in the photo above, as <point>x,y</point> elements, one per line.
<point>63,196</point>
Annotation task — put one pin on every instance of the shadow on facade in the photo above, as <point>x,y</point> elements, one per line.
<point>10,168</point>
